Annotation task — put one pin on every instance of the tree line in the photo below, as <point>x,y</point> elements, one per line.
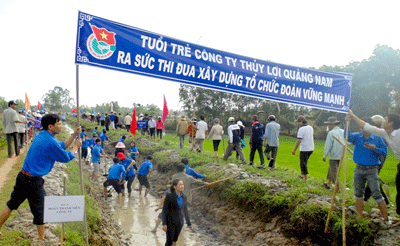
<point>375,90</point>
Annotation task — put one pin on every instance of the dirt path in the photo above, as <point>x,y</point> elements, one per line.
<point>8,165</point>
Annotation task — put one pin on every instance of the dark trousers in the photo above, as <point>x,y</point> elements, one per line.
<point>271,152</point>
<point>173,232</point>
<point>21,137</point>
<point>130,180</point>
<point>31,188</point>
<point>128,127</point>
<point>304,155</point>
<point>10,137</point>
<point>107,127</point>
<point>159,133</point>
<point>259,147</point>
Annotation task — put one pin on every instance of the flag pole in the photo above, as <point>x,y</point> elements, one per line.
<point>79,153</point>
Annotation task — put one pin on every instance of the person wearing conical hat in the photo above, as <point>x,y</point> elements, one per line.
<point>333,149</point>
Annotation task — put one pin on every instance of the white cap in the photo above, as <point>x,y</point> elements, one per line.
<point>239,123</point>
<point>231,119</point>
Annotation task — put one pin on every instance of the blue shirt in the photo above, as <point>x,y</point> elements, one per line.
<point>257,132</point>
<point>121,140</point>
<point>133,149</point>
<point>96,151</point>
<point>126,162</point>
<point>363,156</point>
<point>82,134</point>
<point>112,117</point>
<point>44,151</point>
<point>179,199</point>
<point>85,144</point>
<point>145,168</point>
<point>115,172</point>
<point>192,172</point>
<point>103,137</point>
<point>91,142</point>
<point>94,131</point>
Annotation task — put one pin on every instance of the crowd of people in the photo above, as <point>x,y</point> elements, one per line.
<point>370,150</point>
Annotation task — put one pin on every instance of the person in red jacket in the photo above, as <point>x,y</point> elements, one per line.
<point>159,127</point>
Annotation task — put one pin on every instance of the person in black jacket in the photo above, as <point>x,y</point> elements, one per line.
<point>174,210</point>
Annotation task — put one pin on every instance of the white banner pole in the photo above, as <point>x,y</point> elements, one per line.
<point>79,151</point>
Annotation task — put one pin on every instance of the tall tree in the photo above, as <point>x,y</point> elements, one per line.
<point>58,99</point>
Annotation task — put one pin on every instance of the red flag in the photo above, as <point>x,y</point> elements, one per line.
<point>27,102</point>
<point>39,105</point>
<point>134,123</point>
<point>165,110</point>
<point>103,35</point>
<point>74,110</point>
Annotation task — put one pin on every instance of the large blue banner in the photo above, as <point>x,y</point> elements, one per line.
<point>116,46</point>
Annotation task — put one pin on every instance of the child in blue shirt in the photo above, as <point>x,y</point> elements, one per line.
<point>133,151</point>
<point>85,145</point>
<point>83,133</point>
<point>130,172</point>
<point>116,178</point>
<point>144,170</point>
<point>97,152</point>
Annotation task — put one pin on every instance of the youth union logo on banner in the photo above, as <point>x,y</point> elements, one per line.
<point>101,43</point>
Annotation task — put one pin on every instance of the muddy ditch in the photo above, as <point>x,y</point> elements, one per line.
<point>220,221</point>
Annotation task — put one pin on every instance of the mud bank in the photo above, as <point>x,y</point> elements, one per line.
<point>232,221</point>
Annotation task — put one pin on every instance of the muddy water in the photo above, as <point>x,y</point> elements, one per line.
<point>137,217</point>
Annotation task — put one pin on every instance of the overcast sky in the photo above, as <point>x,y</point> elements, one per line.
<point>38,40</point>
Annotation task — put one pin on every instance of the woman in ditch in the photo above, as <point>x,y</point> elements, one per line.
<point>174,211</point>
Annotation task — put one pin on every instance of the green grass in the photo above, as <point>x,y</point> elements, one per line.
<point>292,204</point>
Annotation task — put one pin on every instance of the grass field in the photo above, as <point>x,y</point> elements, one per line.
<point>316,167</point>
<point>287,165</point>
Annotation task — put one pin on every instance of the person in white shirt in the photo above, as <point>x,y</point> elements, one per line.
<point>152,127</point>
<point>201,134</point>
<point>128,122</point>
<point>305,139</point>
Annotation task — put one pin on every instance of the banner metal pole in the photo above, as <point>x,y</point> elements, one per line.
<point>79,152</point>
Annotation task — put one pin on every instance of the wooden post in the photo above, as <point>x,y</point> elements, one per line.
<point>335,190</point>
<point>62,224</point>
<point>344,184</point>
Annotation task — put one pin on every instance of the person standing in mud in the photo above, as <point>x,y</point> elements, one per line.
<point>43,153</point>
<point>130,172</point>
<point>174,212</point>
<point>305,139</point>
<point>97,152</point>
<point>190,181</point>
<point>144,170</point>
<point>116,178</point>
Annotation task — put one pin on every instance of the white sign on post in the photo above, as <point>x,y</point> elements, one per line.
<point>63,208</point>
